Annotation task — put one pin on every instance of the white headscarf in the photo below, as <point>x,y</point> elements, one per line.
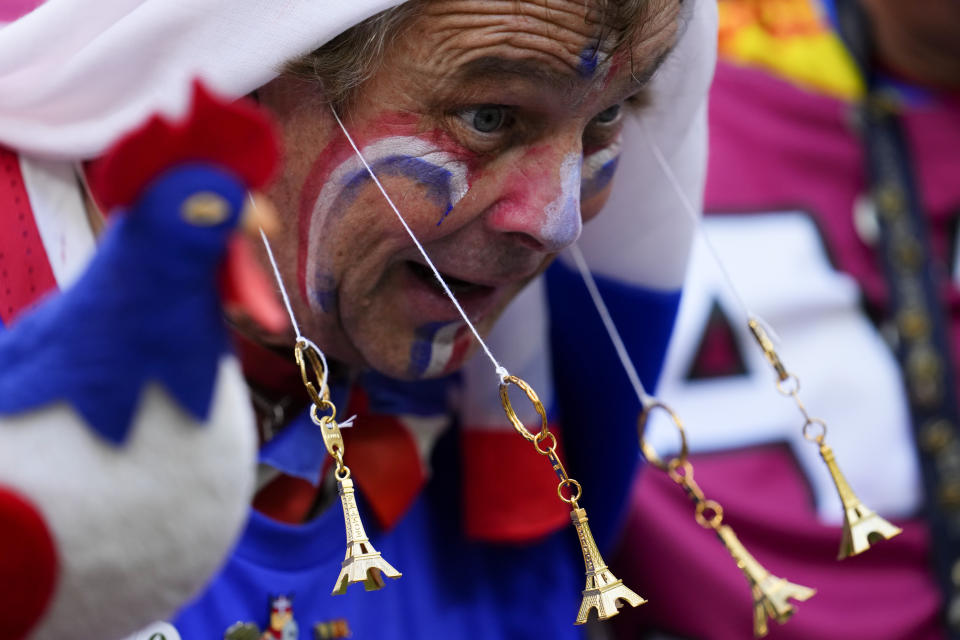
<point>76,74</point>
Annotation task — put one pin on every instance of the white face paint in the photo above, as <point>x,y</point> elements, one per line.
<point>594,163</point>
<point>422,162</point>
<point>436,347</point>
<point>562,222</point>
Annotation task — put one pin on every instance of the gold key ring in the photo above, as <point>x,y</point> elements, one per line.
<point>648,451</point>
<point>304,352</point>
<point>512,415</point>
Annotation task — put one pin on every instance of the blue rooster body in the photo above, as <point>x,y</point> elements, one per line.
<point>125,419</point>
<point>147,309</point>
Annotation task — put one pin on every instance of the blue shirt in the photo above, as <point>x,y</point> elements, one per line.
<point>451,588</point>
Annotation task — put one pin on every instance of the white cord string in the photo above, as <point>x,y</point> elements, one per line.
<point>501,371</point>
<point>645,398</point>
<point>694,216</point>
<point>283,289</point>
<point>286,302</point>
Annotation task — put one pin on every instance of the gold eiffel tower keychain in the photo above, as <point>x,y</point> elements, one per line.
<point>603,591</point>
<point>861,525</point>
<point>362,562</point>
<point>771,595</point>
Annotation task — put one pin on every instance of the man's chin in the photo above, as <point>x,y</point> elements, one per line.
<point>434,350</point>
<point>406,341</point>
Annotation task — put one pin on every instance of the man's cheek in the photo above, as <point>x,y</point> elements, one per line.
<point>432,182</point>
<point>599,167</point>
<point>314,275</point>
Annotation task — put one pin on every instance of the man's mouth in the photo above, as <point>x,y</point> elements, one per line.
<point>457,286</point>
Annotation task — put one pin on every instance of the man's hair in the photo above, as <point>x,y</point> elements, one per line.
<point>343,64</point>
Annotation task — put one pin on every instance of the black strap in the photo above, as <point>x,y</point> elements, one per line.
<point>922,341</point>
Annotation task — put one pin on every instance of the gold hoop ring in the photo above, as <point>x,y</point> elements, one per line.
<point>304,353</point>
<point>713,521</point>
<point>512,415</point>
<point>570,482</point>
<point>648,451</point>
<point>820,436</point>
<point>788,386</point>
<point>537,439</point>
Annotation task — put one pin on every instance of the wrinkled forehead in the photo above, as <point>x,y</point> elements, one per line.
<point>550,38</point>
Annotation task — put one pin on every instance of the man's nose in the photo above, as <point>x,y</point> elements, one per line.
<point>541,201</point>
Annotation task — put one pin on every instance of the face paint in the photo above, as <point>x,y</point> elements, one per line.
<point>438,348</point>
<point>598,170</point>
<point>323,293</point>
<point>443,176</point>
<point>589,58</point>
<point>562,221</point>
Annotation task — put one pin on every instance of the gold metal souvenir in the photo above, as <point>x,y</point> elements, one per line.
<point>603,591</point>
<point>861,525</point>
<point>771,595</point>
<point>362,563</point>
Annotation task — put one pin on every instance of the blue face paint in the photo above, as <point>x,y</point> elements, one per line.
<point>445,214</point>
<point>589,58</point>
<point>438,181</point>
<point>432,347</point>
<point>599,180</point>
<point>324,292</point>
<point>598,169</point>
<point>435,179</point>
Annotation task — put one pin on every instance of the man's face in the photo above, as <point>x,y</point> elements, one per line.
<point>494,126</point>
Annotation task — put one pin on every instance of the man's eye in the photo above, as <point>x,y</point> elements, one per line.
<point>486,119</point>
<point>608,115</point>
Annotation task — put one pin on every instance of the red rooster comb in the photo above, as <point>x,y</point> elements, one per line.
<point>235,135</point>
